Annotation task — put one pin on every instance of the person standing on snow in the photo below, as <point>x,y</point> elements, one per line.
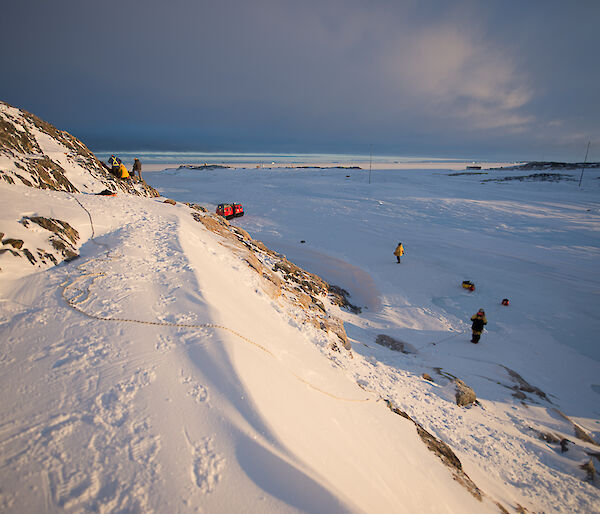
<point>137,166</point>
<point>399,252</point>
<point>479,320</point>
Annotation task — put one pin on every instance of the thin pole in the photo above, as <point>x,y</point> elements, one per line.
<point>370,160</point>
<point>584,162</point>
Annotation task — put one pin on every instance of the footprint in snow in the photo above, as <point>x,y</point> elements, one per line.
<point>207,466</point>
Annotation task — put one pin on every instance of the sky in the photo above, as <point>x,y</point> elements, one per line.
<point>488,80</point>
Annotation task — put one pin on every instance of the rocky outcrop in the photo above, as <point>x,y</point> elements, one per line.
<point>37,154</point>
<point>521,386</point>
<point>463,394</point>
<point>443,452</point>
<point>59,244</point>
<point>280,277</point>
<point>395,344</point>
<point>580,433</point>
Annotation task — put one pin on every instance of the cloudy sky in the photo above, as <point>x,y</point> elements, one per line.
<point>473,79</point>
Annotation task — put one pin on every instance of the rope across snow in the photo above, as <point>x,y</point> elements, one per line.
<point>75,302</point>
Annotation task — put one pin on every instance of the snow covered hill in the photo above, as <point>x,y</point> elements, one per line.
<point>173,363</point>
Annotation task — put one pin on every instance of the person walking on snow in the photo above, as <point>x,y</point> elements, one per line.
<point>479,321</point>
<point>137,166</point>
<point>399,252</point>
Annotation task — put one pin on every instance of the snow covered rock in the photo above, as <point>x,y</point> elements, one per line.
<point>37,154</point>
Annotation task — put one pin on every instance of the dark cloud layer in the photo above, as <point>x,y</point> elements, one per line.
<point>484,79</point>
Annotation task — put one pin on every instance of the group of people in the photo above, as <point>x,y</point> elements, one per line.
<point>118,169</point>
<point>479,320</point>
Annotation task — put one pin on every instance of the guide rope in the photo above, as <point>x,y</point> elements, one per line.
<point>84,293</point>
<point>434,343</point>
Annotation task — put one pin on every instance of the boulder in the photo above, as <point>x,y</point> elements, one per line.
<point>464,394</point>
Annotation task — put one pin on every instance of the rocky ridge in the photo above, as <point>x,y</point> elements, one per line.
<point>36,154</point>
<point>281,278</point>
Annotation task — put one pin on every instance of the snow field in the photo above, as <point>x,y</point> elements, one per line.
<point>109,415</point>
<point>535,243</point>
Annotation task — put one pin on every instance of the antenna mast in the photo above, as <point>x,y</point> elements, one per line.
<point>370,160</point>
<point>584,162</point>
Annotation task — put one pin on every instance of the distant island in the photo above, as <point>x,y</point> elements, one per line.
<point>203,167</point>
<point>328,167</point>
<point>551,165</point>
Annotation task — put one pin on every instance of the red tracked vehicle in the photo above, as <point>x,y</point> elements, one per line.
<point>230,210</point>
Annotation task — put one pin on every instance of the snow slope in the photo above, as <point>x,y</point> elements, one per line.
<point>109,415</point>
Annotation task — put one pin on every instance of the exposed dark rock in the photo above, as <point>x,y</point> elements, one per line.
<point>590,470</point>
<point>564,445</point>
<point>196,207</point>
<point>29,255</point>
<point>549,438</point>
<point>535,177</point>
<point>4,250</point>
<point>523,385</point>
<point>519,395</point>
<point>340,296</point>
<point>44,256</point>
<point>70,255</point>
<point>501,508</point>
<point>63,238</point>
<point>15,243</point>
<point>169,201</point>
<point>61,228</point>
<point>580,433</point>
<point>427,377</point>
<point>444,374</point>
<point>395,344</point>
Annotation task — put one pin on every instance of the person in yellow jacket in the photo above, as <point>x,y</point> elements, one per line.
<point>399,252</point>
<point>123,173</point>
<point>479,320</point>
